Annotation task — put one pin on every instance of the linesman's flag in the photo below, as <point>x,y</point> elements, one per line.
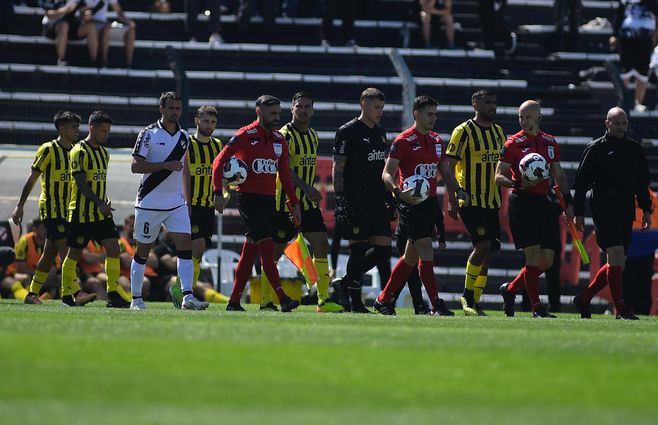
<point>298,253</point>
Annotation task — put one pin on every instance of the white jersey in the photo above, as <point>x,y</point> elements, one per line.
<point>99,8</point>
<point>162,190</point>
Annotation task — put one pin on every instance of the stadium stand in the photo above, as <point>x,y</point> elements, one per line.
<point>230,76</point>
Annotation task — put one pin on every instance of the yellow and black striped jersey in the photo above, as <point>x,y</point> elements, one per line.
<point>92,162</point>
<point>477,150</point>
<point>200,157</point>
<point>303,147</point>
<point>52,161</point>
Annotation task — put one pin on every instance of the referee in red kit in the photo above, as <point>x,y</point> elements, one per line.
<point>265,152</point>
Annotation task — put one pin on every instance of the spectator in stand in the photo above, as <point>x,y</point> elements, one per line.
<point>96,12</point>
<point>437,11</point>
<point>192,8</point>
<point>567,11</point>
<point>268,10</point>
<point>61,24</point>
<point>638,271</point>
<point>495,28</point>
<point>634,33</point>
<point>346,10</point>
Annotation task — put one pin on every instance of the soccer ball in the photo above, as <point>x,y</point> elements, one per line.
<point>235,171</point>
<point>534,167</point>
<point>420,186</point>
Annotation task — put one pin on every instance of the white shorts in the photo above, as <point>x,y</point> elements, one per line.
<point>148,222</point>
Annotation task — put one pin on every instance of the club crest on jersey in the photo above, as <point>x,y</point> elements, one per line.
<point>551,152</point>
<point>439,149</point>
<point>278,149</point>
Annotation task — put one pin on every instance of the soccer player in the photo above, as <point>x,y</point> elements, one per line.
<point>265,152</point>
<point>531,214</point>
<point>53,165</point>
<point>303,149</point>
<point>417,151</point>
<point>359,156</point>
<point>615,168</point>
<point>90,211</point>
<point>163,198</point>
<point>473,153</point>
<point>201,154</point>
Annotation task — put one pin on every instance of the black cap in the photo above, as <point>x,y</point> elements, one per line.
<point>267,100</point>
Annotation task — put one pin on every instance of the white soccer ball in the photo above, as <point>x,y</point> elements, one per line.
<point>420,186</point>
<point>235,171</point>
<point>534,167</point>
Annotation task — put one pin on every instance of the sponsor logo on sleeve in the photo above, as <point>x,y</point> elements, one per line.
<point>551,152</point>
<point>439,149</point>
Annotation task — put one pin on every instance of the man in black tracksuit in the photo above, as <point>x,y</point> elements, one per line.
<point>616,170</point>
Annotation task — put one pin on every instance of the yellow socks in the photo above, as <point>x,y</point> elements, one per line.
<point>112,269</point>
<point>69,277</point>
<point>19,292</point>
<point>124,294</point>
<point>38,281</point>
<point>322,266</point>
<point>213,296</point>
<point>480,284</point>
<point>265,289</point>
<point>196,263</point>
<point>472,272</point>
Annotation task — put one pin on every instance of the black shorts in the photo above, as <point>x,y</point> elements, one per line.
<point>56,228</point>
<point>373,219</point>
<point>74,25</point>
<point>419,221</point>
<point>284,231</point>
<point>610,232</point>
<point>81,233</point>
<point>533,220</point>
<point>257,212</point>
<point>482,224</point>
<point>203,223</point>
<point>635,54</point>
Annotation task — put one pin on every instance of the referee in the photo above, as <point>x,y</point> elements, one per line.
<point>303,144</point>
<point>615,168</point>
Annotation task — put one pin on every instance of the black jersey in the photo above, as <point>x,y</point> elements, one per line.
<point>617,172</point>
<point>364,149</point>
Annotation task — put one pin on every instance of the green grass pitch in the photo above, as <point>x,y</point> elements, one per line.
<point>163,366</point>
